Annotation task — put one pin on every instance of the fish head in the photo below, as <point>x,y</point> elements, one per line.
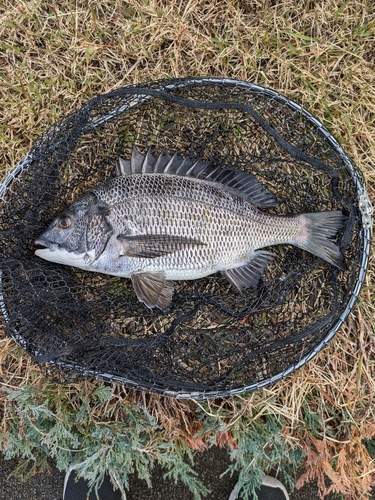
<point>78,235</point>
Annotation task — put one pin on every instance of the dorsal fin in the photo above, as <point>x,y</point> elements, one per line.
<point>148,163</point>
<point>136,160</point>
<point>162,161</point>
<point>237,182</point>
<point>122,167</point>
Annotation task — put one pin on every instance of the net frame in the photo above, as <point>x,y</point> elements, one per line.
<point>165,89</point>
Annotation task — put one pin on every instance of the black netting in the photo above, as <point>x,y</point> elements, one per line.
<point>214,341</point>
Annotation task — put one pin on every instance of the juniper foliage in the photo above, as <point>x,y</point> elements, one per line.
<point>93,428</point>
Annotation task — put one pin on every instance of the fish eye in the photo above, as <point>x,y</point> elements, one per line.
<point>64,222</point>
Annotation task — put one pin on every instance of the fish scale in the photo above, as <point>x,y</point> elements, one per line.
<point>229,227</point>
<point>167,218</point>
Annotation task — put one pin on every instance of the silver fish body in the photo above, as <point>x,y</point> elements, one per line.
<point>170,219</point>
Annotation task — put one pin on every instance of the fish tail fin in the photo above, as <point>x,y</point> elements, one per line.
<point>316,235</point>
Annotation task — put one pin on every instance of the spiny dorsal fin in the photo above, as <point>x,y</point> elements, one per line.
<point>148,163</point>
<point>237,182</point>
<point>162,161</point>
<point>136,160</point>
<point>122,167</point>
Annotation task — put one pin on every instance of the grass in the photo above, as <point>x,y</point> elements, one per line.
<point>320,54</point>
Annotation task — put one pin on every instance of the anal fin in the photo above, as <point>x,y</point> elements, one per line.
<point>250,273</point>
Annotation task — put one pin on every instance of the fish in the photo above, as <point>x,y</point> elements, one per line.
<point>166,218</point>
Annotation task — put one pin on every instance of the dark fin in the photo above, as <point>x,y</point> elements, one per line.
<point>138,164</point>
<point>251,272</point>
<point>154,245</point>
<point>162,161</point>
<point>316,236</point>
<point>173,164</point>
<point>244,185</point>
<point>237,182</point>
<point>148,163</point>
<point>152,289</point>
<point>123,167</point>
<point>198,168</point>
<point>165,297</point>
<point>184,167</point>
<point>136,161</point>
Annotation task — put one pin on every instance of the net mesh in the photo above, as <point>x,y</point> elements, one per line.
<point>213,341</point>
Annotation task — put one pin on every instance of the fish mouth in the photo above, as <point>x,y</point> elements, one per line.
<point>59,254</point>
<point>43,244</point>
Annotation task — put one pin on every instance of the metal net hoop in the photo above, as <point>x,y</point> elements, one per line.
<point>214,341</point>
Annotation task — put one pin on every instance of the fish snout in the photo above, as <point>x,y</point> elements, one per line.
<point>45,244</point>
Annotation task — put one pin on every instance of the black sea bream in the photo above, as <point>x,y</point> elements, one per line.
<point>167,218</point>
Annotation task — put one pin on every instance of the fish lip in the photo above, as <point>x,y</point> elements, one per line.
<point>45,244</point>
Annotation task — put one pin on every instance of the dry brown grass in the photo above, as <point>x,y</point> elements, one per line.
<point>54,56</point>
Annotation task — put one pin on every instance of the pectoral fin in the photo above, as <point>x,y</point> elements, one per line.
<point>250,273</point>
<point>154,245</point>
<point>153,289</point>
